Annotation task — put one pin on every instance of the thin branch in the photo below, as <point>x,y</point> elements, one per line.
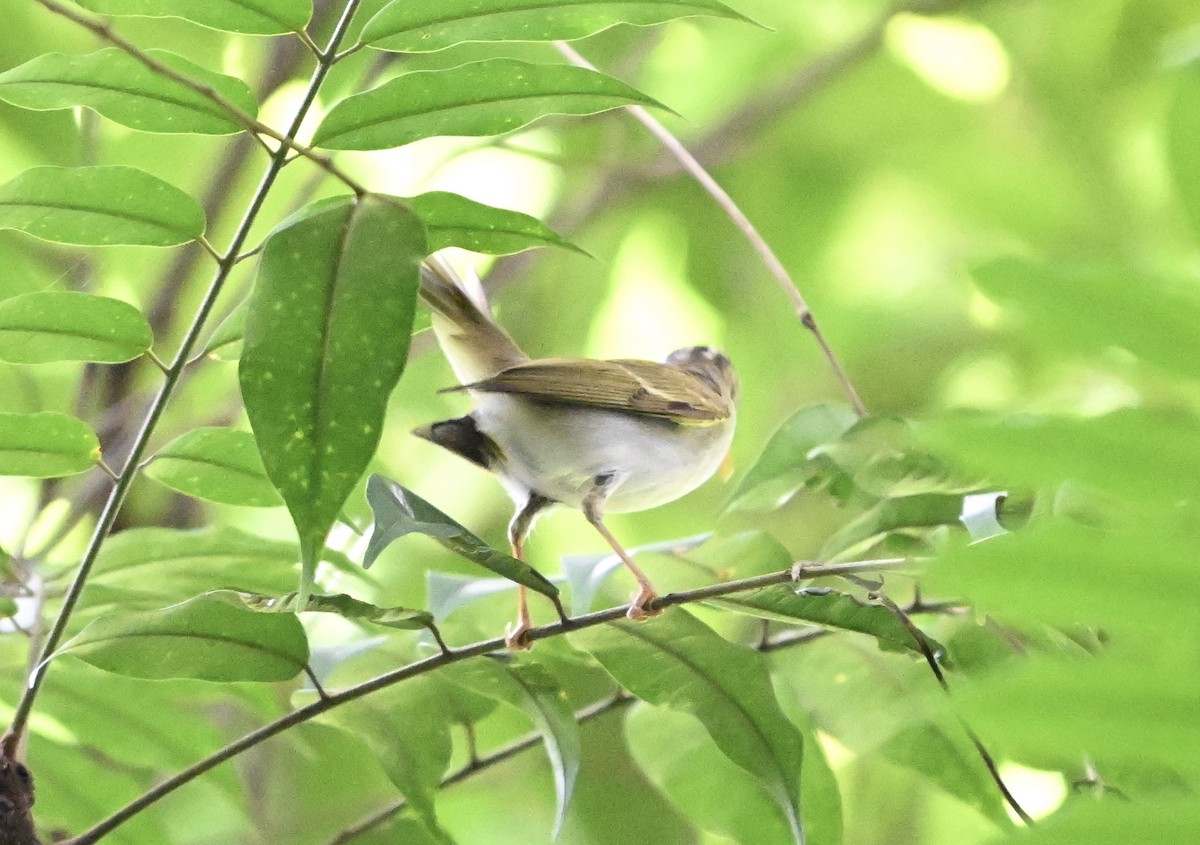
<point>479,764</point>
<point>437,661</point>
<point>287,141</point>
<point>931,659</point>
<point>742,222</point>
<point>116,497</point>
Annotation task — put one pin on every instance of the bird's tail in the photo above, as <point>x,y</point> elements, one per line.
<point>476,347</point>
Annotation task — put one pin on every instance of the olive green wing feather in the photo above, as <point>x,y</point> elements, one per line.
<point>634,387</point>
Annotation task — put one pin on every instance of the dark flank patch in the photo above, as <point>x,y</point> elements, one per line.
<point>462,437</point>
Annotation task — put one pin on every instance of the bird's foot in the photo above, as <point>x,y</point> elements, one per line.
<point>639,609</point>
<point>515,636</point>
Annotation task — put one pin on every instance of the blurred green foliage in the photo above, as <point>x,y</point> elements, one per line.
<point>993,211</point>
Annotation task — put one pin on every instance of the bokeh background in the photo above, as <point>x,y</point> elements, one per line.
<point>886,152</point>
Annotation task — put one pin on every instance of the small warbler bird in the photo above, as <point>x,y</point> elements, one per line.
<point>602,436</point>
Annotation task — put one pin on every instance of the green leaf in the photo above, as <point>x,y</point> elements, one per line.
<point>912,515</point>
<point>1071,306</point>
<point>454,220</point>
<point>1183,136</point>
<point>677,754</point>
<point>490,97</point>
<point>1132,454</point>
<point>399,512</point>
<point>327,336</point>
<point>1115,822</point>
<point>1092,700</point>
<point>187,562</point>
<point>215,464</point>
<point>528,687</point>
<point>828,609</point>
<point>781,470</point>
<point>99,206</point>
<point>207,637</point>
<point>953,765</point>
<point>44,326</point>
<point>225,344</point>
<point>402,618</point>
<point>250,17</point>
<point>407,728</point>
<point>151,567</point>
<point>46,445</point>
<point>407,27</point>
<point>678,662</point>
<point>121,88</point>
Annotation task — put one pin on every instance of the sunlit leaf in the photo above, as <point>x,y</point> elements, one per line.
<point>399,512</point>
<point>413,27</point>
<point>216,464</point>
<point>327,336</point>
<point>1133,453</point>
<point>781,470</point>
<point>252,17</point>
<point>206,637</point>
<point>99,206</point>
<point>1070,306</point>
<point>123,89</point>
<point>44,326</point>
<point>531,689</point>
<point>489,97</point>
<point>1183,134</point>
<point>46,445</point>
<point>454,220</point>
<point>678,662</point>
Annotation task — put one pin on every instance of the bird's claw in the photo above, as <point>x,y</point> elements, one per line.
<point>515,636</point>
<point>638,609</point>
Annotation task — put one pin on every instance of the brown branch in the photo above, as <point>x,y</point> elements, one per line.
<point>446,658</point>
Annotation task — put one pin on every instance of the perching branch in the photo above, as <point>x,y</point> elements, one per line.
<point>807,571</point>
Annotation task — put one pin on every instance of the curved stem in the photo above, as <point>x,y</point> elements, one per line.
<point>116,498</point>
<point>689,162</point>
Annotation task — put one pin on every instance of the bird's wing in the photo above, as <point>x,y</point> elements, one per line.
<point>634,387</point>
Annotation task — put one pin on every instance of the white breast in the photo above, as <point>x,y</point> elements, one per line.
<point>559,451</point>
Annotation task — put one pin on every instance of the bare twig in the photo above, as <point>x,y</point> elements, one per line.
<point>742,222</point>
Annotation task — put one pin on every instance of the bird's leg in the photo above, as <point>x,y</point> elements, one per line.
<point>592,509</point>
<point>518,530</point>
